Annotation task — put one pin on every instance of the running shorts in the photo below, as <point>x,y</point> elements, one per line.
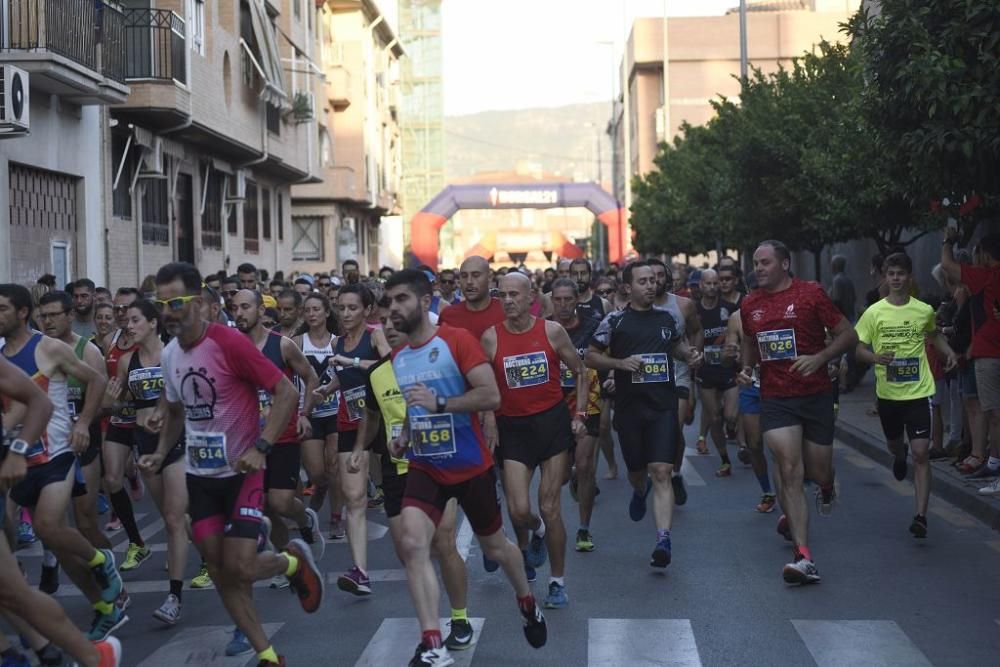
<point>814,413</point>
<point>912,415</point>
<point>283,464</point>
<point>477,497</point>
<point>227,506</point>
<point>532,439</point>
<point>646,435</point>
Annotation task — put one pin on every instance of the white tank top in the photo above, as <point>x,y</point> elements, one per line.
<point>317,356</point>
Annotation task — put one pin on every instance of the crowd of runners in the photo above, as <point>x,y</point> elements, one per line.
<point>245,405</point>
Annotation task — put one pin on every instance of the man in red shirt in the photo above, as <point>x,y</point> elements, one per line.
<point>785,321</point>
<point>985,350</point>
<point>479,311</point>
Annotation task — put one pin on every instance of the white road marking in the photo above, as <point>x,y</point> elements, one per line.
<point>850,643</point>
<point>146,533</point>
<point>641,642</point>
<point>204,646</point>
<point>396,639</point>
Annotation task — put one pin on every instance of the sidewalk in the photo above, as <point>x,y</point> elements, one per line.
<point>863,432</point>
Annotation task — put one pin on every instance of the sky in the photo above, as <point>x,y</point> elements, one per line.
<point>526,53</point>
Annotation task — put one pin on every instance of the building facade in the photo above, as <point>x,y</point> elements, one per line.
<point>360,159</point>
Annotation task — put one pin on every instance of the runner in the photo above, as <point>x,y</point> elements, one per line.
<point>891,335</point>
<point>533,427</point>
<point>48,485</point>
<point>40,611</point>
<point>446,379</point>
<point>448,288</point>
<point>290,314</point>
<point>583,482</point>
<point>384,401</point>
<point>787,318</point>
<point>590,304</point>
<point>140,375</point>
<point>211,376</point>
<point>719,392</point>
<point>729,282</point>
<point>479,311</point>
<point>281,476</point>
<point>639,345</point>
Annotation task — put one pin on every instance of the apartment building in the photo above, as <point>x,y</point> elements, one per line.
<point>61,63</point>
<point>340,218</point>
<point>219,125</point>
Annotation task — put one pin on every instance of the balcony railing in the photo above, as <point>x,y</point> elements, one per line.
<point>88,32</point>
<point>154,45</point>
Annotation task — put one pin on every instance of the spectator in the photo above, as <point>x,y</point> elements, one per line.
<point>842,291</point>
<point>102,295</point>
<point>351,271</point>
<point>875,271</point>
<point>83,308</point>
<point>248,276</point>
<point>48,280</point>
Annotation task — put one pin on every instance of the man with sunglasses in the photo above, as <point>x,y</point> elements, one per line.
<point>211,378</point>
<point>448,288</point>
<point>324,282</point>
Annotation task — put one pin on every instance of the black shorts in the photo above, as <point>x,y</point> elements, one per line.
<point>346,440</point>
<point>477,497</point>
<point>533,439</point>
<point>718,381</point>
<point>283,464</point>
<point>323,426</point>
<point>227,506</point>
<point>813,413</point>
<point>913,416</point>
<point>120,435</point>
<point>593,425</point>
<point>27,492</point>
<point>646,434</point>
<point>683,393</point>
<point>146,444</point>
<point>93,450</point>
<point>393,486</point>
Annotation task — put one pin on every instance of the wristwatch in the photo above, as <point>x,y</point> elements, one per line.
<point>442,403</point>
<point>19,446</point>
<point>263,446</point>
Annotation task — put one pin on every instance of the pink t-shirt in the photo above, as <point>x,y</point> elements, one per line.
<point>217,381</point>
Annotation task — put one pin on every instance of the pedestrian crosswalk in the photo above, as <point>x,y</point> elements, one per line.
<point>204,646</point>
<point>394,642</point>
<point>642,642</point>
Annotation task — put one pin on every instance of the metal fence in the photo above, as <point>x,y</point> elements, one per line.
<point>154,45</point>
<point>112,38</point>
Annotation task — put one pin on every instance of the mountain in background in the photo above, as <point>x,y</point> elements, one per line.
<point>556,140</point>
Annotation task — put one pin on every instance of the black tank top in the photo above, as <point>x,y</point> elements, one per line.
<point>593,309</point>
<point>353,379</point>
<point>144,383</point>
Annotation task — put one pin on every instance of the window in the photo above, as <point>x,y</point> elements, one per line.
<point>231,227</point>
<point>155,219</point>
<point>273,119</point>
<point>196,25</point>
<point>297,8</point>
<point>307,239</point>
<point>60,262</point>
<point>250,74</point>
<point>121,198</point>
<point>281,216</point>
<point>265,195</point>
<point>251,235</point>
<point>211,219</point>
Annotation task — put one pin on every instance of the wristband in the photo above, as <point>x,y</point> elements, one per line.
<point>357,362</point>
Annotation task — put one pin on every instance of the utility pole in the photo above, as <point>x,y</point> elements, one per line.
<point>744,65</point>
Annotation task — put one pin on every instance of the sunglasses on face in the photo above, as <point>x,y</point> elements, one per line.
<point>448,282</point>
<point>175,304</point>
<point>605,292</point>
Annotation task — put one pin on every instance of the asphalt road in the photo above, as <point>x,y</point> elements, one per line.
<point>885,598</point>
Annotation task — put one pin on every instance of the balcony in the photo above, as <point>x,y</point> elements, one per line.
<point>338,87</point>
<point>156,68</point>
<point>71,48</point>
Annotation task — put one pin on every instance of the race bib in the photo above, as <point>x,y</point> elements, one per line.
<point>263,400</point>
<point>354,399</point>
<point>713,355</point>
<point>777,345</point>
<point>526,370</point>
<point>328,406</point>
<point>395,430</point>
<point>654,368</point>
<point>206,451</point>
<point>71,408</point>
<point>903,369</point>
<point>433,435</point>
<point>125,415</point>
<point>567,378</point>
<point>146,384</point>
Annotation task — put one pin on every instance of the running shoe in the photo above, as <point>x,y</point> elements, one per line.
<point>918,528</point>
<point>802,571</point>
<point>202,579</point>
<point>239,644</point>
<point>767,503</point>
<point>783,528</point>
<point>680,491</point>
<point>312,536</point>
<point>108,579</point>
<point>135,556</point>
<point>702,446</point>
<point>377,499</point>
<point>460,635</point>
<point>825,500</point>
<point>103,506</point>
<point>307,581</point>
<point>557,598</point>
<point>355,582</point>
<point>661,554</point>
<point>991,489</point>
<point>170,611</point>
<point>49,582</point>
<point>743,454</point>
<point>899,464</point>
<point>535,630</point>
<point>109,652</point>
<point>725,470</point>
<point>529,571</point>
<point>337,530</point>
<point>25,534</point>
<point>537,553</point>
<point>489,564</point>
<point>136,489</point>
<point>278,582</point>
<point>584,540</point>
<point>431,657</point>
<point>114,525</point>
<point>104,624</point>
<point>637,506</point>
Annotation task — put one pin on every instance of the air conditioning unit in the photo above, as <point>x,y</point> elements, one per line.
<point>152,160</point>
<point>239,181</point>
<point>14,108</point>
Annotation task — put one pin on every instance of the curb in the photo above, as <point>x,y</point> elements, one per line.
<point>944,486</point>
